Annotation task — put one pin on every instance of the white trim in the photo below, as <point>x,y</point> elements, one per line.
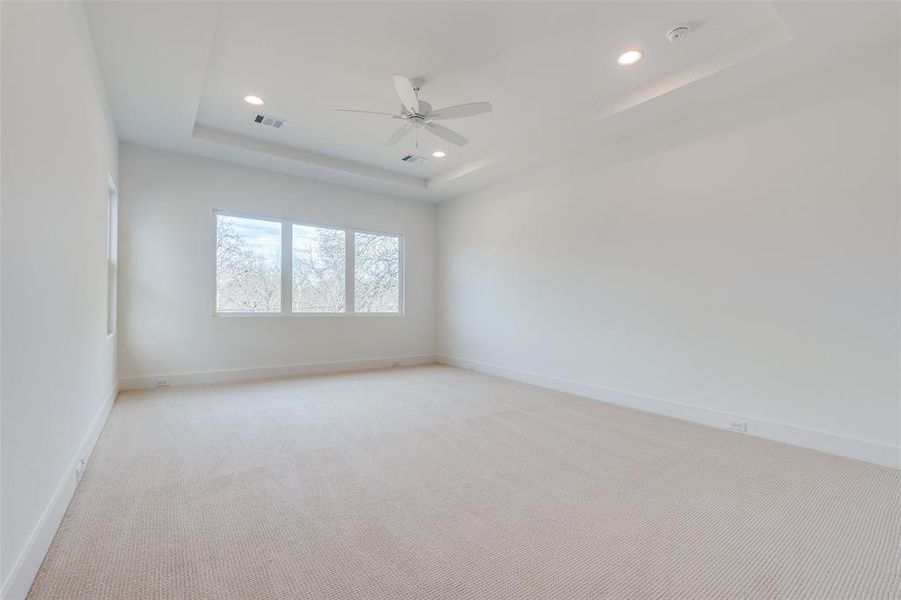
<point>112,258</point>
<point>29,560</point>
<point>287,267</point>
<point>401,277</point>
<point>218,136</point>
<point>796,435</point>
<point>302,315</point>
<point>229,375</point>
<point>350,272</point>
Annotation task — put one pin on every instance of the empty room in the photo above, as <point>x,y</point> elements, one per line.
<point>452,299</point>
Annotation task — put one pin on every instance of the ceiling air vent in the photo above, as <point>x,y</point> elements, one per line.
<point>268,121</point>
<point>413,159</point>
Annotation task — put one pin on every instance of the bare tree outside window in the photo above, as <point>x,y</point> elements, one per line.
<point>248,265</point>
<point>377,273</point>
<point>255,276</point>
<point>318,269</point>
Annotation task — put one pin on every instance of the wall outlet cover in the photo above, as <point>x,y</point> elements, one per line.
<point>738,425</point>
<point>79,468</point>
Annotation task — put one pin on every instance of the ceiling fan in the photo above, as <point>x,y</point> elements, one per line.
<point>419,115</point>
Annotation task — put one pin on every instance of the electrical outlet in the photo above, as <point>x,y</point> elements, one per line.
<point>79,468</point>
<point>161,383</point>
<point>738,425</point>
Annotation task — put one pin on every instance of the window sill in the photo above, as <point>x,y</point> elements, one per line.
<point>228,315</point>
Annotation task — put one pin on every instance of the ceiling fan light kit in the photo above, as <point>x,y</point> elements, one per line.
<point>418,114</point>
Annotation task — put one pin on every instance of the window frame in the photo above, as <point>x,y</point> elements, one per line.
<point>112,258</point>
<point>348,286</point>
<point>215,263</point>
<point>287,269</point>
<point>352,253</point>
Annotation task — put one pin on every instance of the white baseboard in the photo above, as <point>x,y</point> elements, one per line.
<point>29,560</point>
<point>231,375</point>
<point>870,451</point>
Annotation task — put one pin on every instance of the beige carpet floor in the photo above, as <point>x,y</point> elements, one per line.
<point>434,482</point>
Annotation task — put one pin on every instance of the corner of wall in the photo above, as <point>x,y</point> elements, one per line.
<point>823,441</point>
<point>29,560</point>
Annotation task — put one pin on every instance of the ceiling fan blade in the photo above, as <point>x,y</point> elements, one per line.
<point>447,134</point>
<point>405,92</point>
<point>368,112</point>
<point>398,135</point>
<point>461,110</point>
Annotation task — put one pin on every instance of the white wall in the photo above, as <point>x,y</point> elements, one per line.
<point>744,262</point>
<point>58,147</point>
<point>166,320</point>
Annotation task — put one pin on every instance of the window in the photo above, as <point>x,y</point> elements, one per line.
<point>376,273</point>
<point>248,265</point>
<point>318,269</point>
<point>269,266</point>
<point>112,256</point>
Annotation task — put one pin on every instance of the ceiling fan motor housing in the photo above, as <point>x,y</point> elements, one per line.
<point>425,110</point>
<point>418,114</point>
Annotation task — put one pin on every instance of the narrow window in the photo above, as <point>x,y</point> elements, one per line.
<point>377,268</point>
<point>248,265</point>
<point>112,257</point>
<point>318,269</point>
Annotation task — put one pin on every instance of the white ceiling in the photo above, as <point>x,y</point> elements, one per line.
<point>176,73</point>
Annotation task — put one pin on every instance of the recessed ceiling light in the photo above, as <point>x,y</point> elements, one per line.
<point>439,154</point>
<point>254,100</point>
<point>629,57</point>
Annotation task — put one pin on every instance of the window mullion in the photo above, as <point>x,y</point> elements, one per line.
<point>287,268</point>
<point>349,244</point>
<point>401,273</point>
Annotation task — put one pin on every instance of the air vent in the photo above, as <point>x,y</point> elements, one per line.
<point>413,159</point>
<point>268,121</point>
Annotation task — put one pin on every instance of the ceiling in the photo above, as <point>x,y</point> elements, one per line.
<point>176,74</point>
